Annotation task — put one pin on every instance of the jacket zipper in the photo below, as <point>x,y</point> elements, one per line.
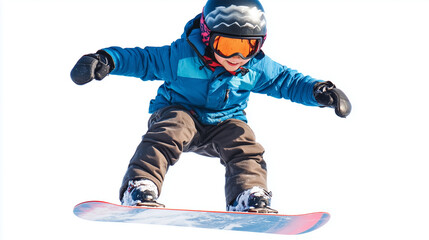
<point>226,95</point>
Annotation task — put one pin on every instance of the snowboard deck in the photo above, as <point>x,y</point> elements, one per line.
<point>239,221</point>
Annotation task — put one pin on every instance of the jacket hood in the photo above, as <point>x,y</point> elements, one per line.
<point>192,33</point>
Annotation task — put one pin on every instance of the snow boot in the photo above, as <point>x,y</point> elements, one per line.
<point>255,199</point>
<point>141,192</point>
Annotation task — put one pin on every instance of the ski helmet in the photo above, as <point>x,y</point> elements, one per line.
<point>244,18</point>
<point>241,18</point>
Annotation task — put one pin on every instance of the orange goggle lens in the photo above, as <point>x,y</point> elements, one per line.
<point>228,47</point>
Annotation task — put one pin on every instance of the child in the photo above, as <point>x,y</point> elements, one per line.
<point>208,76</point>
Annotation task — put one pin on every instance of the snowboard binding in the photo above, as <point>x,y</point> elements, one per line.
<point>142,193</point>
<point>255,200</point>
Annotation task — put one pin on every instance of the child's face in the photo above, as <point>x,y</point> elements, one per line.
<point>231,64</point>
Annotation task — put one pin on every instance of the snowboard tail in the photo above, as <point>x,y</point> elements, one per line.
<point>238,221</point>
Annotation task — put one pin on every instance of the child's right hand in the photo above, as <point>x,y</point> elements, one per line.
<point>92,66</point>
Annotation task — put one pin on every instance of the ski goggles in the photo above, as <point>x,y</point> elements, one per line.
<point>228,46</point>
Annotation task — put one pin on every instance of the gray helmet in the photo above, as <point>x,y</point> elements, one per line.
<point>244,18</point>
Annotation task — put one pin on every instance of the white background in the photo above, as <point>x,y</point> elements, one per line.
<point>62,144</point>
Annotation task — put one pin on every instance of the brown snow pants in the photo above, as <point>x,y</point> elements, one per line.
<point>173,130</point>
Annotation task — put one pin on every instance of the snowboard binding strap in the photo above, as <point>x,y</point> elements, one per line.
<point>263,210</point>
<point>151,205</point>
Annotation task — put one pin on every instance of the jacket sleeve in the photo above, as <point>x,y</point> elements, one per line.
<point>279,81</point>
<point>150,63</point>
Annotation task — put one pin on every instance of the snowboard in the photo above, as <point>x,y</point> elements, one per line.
<point>239,221</point>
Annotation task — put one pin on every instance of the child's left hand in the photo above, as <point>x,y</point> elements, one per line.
<point>328,95</point>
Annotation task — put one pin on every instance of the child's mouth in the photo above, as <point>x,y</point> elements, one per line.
<point>232,64</point>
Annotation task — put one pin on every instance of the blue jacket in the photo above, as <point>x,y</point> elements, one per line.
<point>213,96</point>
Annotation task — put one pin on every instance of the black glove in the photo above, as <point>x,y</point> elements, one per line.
<point>328,95</point>
<point>90,66</point>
